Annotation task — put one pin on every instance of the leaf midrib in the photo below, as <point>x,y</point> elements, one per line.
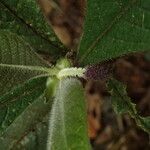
<point>26,68</point>
<point>108,28</point>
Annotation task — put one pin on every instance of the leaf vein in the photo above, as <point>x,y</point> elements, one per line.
<point>108,28</point>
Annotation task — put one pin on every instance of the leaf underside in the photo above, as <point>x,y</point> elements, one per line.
<point>16,93</point>
<point>114,28</point>
<point>15,51</point>
<point>68,124</point>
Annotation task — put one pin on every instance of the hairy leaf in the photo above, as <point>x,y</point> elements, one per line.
<point>13,103</point>
<point>25,19</point>
<point>122,104</point>
<point>114,28</point>
<point>68,124</point>
<point>15,51</point>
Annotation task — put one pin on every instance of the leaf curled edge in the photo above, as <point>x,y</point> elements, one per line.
<point>122,104</point>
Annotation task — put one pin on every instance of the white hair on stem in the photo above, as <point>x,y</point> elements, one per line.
<point>71,72</point>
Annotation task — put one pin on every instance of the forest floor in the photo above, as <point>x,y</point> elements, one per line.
<point>108,131</point>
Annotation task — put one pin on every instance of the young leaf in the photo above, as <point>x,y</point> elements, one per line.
<point>22,128</point>
<point>114,28</point>
<point>13,103</point>
<point>25,19</point>
<point>122,104</point>
<point>68,124</point>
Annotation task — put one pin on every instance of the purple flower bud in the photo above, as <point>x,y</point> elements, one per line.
<point>100,71</point>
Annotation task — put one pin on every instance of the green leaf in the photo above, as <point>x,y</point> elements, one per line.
<point>122,104</point>
<point>114,28</point>
<point>23,128</point>
<point>13,103</point>
<point>12,75</point>
<point>15,51</point>
<point>25,19</point>
<point>36,137</point>
<point>68,124</point>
